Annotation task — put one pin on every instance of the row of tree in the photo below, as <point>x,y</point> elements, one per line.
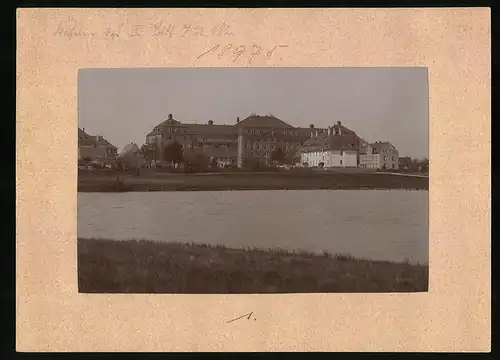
<point>174,154</point>
<point>420,165</point>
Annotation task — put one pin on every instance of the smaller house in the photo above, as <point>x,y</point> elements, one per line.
<point>95,148</point>
<point>405,163</point>
<point>379,155</point>
<point>336,146</point>
<point>131,157</point>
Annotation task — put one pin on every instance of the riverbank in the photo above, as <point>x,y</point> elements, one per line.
<point>102,181</point>
<point>107,266</point>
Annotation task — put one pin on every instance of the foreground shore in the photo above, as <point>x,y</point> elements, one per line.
<point>107,266</point>
<point>102,181</point>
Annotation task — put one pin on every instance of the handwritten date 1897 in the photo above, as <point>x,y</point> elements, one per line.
<point>236,52</point>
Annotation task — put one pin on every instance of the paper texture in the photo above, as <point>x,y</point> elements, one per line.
<point>455,46</point>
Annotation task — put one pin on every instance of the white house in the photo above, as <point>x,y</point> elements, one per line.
<point>336,146</point>
<point>331,158</point>
<point>379,155</point>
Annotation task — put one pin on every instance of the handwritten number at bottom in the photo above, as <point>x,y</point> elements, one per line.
<point>241,317</point>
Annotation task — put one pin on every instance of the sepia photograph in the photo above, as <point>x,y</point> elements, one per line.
<point>253,180</point>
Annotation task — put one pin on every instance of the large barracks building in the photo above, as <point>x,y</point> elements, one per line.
<point>257,136</point>
<point>253,138</point>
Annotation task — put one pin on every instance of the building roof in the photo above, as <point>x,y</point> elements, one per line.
<point>92,141</point>
<point>85,139</point>
<point>129,149</point>
<point>82,134</point>
<point>380,145</point>
<point>347,140</point>
<point>267,121</point>
<point>253,121</point>
<point>169,121</point>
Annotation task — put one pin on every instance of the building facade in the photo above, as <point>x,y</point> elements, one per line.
<point>252,139</point>
<point>336,146</point>
<point>379,155</point>
<point>95,148</point>
<point>255,138</point>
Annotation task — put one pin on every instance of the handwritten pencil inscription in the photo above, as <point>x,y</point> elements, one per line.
<point>248,316</point>
<point>234,52</point>
<point>162,31</point>
<point>71,29</point>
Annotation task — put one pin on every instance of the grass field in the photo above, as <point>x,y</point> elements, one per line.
<point>102,181</point>
<point>107,266</point>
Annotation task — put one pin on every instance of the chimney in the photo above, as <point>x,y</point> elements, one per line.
<point>210,122</point>
<point>237,119</point>
<point>83,129</point>
<point>170,116</point>
<point>339,124</point>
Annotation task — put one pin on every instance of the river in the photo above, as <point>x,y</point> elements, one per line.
<point>376,224</point>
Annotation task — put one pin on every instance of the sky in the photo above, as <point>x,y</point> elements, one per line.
<point>379,104</point>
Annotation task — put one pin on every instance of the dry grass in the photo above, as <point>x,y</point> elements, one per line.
<point>107,266</point>
<point>106,182</point>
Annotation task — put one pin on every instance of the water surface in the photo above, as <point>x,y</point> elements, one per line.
<point>375,224</point>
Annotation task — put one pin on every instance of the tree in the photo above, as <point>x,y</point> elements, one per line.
<point>424,166</point>
<point>173,153</point>
<point>278,155</point>
<point>251,164</point>
<point>201,162</point>
<point>214,164</point>
<point>321,164</point>
<point>149,152</point>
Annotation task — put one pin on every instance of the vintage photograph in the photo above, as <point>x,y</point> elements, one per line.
<point>253,180</point>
